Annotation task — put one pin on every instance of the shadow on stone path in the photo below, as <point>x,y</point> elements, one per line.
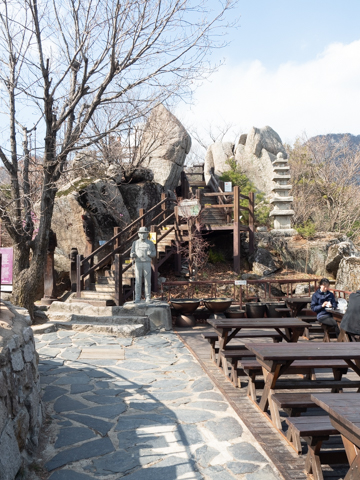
<point>154,415</point>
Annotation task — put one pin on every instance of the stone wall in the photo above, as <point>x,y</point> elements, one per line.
<point>21,410</point>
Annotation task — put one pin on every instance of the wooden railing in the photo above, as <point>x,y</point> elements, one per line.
<point>120,247</point>
<point>240,292</point>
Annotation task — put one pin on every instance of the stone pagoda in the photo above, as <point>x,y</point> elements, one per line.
<point>281,200</point>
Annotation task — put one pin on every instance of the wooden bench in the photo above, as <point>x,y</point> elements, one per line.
<point>314,430</point>
<point>233,357</point>
<point>300,367</point>
<point>212,338</point>
<point>283,312</point>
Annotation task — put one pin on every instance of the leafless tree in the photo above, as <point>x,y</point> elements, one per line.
<point>63,64</point>
<point>326,183</point>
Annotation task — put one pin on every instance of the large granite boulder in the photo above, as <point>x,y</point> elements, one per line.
<point>256,152</point>
<point>163,148</point>
<point>216,157</point>
<point>336,253</point>
<point>348,275</point>
<point>98,203</point>
<point>263,263</point>
<point>140,195</point>
<point>263,138</point>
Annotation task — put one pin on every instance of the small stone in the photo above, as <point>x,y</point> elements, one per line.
<point>28,352</point>
<point>69,475</point>
<point>17,361</point>
<point>118,462</point>
<point>202,385</point>
<point>10,458</point>
<point>102,399</point>
<point>70,353</point>
<point>241,468</point>
<point>217,472</point>
<point>205,454</point>
<point>77,379</point>
<point>100,426</point>
<point>108,411</point>
<point>28,334</point>
<point>267,473</point>
<point>95,448</point>
<point>246,451</point>
<point>51,392</point>
<point>129,422</point>
<point>49,352</point>
<point>66,404</point>
<point>226,428</point>
<point>69,436</point>
<point>193,416</point>
<point>81,388</point>
<point>188,435</point>
<point>168,469</point>
<point>211,396</point>
<point>216,406</point>
<point>14,343</point>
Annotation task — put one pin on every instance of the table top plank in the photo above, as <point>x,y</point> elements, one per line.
<point>257,323</point>
<point>298,299</point>
<point>299,351</point>
<point>349,417</point>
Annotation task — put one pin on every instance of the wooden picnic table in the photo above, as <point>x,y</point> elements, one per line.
<point>296,304</point>
<point>226,329</point>
<point>276,358</point>
<point>344,412</point>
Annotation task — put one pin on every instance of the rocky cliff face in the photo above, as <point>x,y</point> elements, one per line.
<point>163,148</point>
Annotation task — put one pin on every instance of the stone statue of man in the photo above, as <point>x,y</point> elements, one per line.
<point>142,251</point>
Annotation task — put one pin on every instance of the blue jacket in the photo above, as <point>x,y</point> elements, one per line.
<point>318,299</point>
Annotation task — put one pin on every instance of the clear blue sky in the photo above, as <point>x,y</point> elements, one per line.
<point>276,31</point>
<point>290,64</point>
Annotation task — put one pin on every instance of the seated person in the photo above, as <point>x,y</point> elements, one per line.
<point>351,320</point>
<point>321,300</point>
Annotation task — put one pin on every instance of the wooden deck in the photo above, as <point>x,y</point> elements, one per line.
<point>286,460</point>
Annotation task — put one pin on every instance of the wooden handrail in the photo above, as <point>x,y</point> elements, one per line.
<point>109,242</point>
<point>165,220</point>
<point>165,234</point>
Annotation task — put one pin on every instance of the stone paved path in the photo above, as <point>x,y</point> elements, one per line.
<point>153,415</point>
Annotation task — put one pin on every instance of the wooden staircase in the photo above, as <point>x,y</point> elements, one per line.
<point>115,280</point>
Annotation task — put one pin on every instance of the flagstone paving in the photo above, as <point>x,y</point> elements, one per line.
<point>154,415</point>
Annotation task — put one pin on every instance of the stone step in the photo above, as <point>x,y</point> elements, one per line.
<point>124,330</point>
<point>123,319</point>
<point>94,302</point>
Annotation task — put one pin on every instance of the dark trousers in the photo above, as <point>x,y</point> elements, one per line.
<point>329,320</point>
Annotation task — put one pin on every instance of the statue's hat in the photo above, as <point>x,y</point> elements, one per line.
<point>143,230</point>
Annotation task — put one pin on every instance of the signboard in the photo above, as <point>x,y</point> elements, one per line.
<point>189,208</point>
<point>7,265</point>
<point>152,237</point>
<point>102,242</point>
<point>227,186</point>
<point>240,282</point>
<point>127,262</point>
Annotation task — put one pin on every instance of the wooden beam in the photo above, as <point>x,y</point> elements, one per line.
<point>251,222</point>
<point>236,231</point>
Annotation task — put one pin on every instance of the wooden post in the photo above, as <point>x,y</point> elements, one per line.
<point>236,230</point>
<point>49,272</point>
<point>182,183</point>
<point>117,240</point>
<point>251,222</point>
<point>119,299</point>
<point>141,213</point>
<point>73,255</point>
<point>79,281</point>
<point>154,265</point>
<point>163,206</point>
<point>177,255</point>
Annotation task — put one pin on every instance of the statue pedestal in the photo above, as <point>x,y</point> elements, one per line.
<point>158,312</point>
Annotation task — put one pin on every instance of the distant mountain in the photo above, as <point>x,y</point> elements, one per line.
<point>337,138</point>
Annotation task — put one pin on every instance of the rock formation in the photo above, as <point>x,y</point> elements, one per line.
<point>261,155</point>
<point>163,148</point>
<point>348,276</point>
<point>216,157</point>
